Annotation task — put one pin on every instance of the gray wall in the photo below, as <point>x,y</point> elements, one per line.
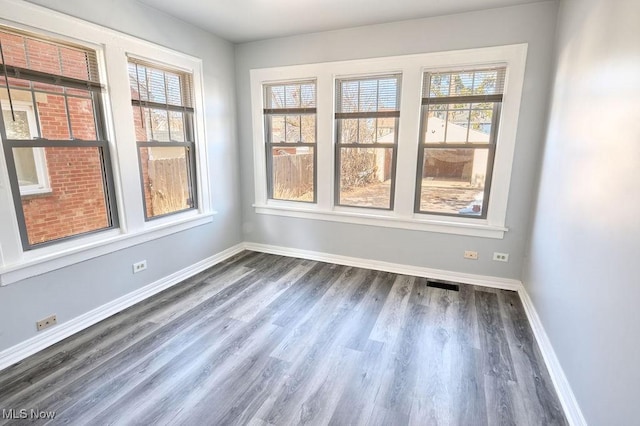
<point>533,24</point>
<point>74,290</point>
<point>582,271</point>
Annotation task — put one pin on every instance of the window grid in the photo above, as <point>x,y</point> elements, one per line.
<point>33,83</point>
<point>482,97</point>
<point>288,174</point>
<point>384,105</point>
<point>159,95</point>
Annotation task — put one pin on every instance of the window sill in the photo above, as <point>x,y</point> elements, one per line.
<point>33,193</point>
<point>51,258</point>
<point>388,219</point>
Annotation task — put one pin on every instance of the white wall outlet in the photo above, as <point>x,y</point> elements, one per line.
<point>139,266</point>
<point>501,257</point>
<point>47,322</point>
<point>469,254</point>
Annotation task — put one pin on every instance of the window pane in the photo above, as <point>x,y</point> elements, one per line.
<point>367,130</point>
<point>276,125</point>
<point>368,95</point>
<point>458,123</point>
<point>140,116</point>
<point>166,180</point>
<point>308,128</point>
<point>275,97</point>
<point>292,173</point>
<point>349,96</point>
<point>481,122</point>
<point>20,128</point>
<point>365,177</point>
<point>453,181</point>
<point>154,125</point>
<point>43,56</point>
<point>74,63</point>
<point>464,83</point>
<point>292,128</point>
<point>176,124</point>
<point>440,84</point>
<point>292,96</point>
<point>174,89</point>
<point>81,115</point>
<point>155,86</point>
<point>386,130</point>
<point>25,166</point>
<point>13,49</point>
<point>348,130</point>
<point>52,114</point>
<point>151,84</point>
<point>388,94</point>
<point>76,203</point>
<point>308,95</point>
<point>136,80</point>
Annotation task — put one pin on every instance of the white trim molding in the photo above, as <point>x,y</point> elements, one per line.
<point>60,332</point>
<point>567,398</point>
<point>396,268</point>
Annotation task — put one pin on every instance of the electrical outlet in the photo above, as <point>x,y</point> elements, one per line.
<point>501,257</point>
<point>47,322</point>
<point>468,254</point>
<point>139,266</point>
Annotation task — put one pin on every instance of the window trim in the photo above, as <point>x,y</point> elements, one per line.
<point>412,67</point>
<point>112,48</point>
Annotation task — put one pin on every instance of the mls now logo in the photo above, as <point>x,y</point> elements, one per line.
<point>31,414</point>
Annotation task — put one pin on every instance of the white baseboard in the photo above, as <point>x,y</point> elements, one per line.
<point>568,400</point>
<point>560,383</point>
<point>418,271</point>
<point>47,338</point>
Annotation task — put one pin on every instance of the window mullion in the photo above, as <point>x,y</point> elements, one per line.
<point>408,130</point>
<point>124,151</point>
<point>325,140</point>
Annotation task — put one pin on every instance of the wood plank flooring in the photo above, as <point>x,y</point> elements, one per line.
<point>268,340</point>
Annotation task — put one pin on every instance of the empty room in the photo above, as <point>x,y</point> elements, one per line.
<point>319,212</point>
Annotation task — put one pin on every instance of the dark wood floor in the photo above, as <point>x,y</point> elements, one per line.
<point>262,339</point>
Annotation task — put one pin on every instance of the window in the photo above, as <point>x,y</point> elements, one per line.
<point>54,140</point>
<point>163,117</point>
<point>290,136</point>
<point>460,115</point>
<point>445,167</point>
<point>367,115</point>
<point>31,164</point>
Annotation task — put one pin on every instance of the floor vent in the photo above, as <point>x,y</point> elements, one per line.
<point>443,285</point>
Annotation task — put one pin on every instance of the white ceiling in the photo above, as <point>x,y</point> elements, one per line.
<point>247,20</point>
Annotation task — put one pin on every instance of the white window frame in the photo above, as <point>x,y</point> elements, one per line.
<point>412,68</point>
<point>42,172</point>
<point>112,49</point>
